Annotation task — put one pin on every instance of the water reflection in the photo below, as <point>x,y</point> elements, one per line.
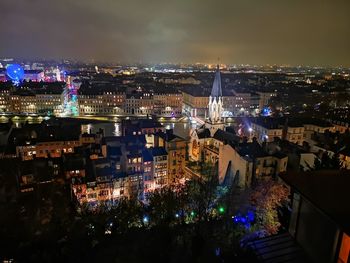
<point>115,129</point>
<point>181,129</point>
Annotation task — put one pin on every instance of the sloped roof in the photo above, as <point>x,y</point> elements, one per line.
<point>203,133</point>
<point>225,136</point>
<point>158,151</point>
<point>216,90</point>
<point>147,156</point>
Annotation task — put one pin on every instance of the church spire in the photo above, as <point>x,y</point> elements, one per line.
<point>215,105</point>
<point>216,91</point>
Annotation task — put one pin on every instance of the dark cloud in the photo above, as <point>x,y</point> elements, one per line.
<point>237,31</point>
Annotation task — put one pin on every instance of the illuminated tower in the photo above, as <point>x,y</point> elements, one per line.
<point>215,106</point>
<point>71,107</point>
<point>58,74</point>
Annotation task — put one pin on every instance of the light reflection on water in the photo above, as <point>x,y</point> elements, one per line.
<point>114,129</point>
<point>181,129</point>
<point>117,131</point>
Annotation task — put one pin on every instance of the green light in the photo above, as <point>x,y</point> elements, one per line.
<point>221,209</point>
<point>192,213</point>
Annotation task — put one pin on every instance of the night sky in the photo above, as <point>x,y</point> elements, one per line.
<point>297,32</point>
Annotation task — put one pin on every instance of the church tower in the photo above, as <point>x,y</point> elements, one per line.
<point>215,107</point>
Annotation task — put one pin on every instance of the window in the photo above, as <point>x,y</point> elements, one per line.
<point>93,195</point>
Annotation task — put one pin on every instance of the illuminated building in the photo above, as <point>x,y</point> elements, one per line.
<point>340,119</point>
<point>190,80</point>
<point>44,141</point>
<point>34,75</point>
<point>195,102</point>
<point>266,129</point>
<point>141,126</point>
<point>2,75</point>
<point>47,149</point>
<point>264,98</point>
<point>5,100</point>
<point>49,101</point>
<point>34,98</point>
<point>139,104</point>
<point>176,149</point>
<point>312,126</point>
<point>58,74</point>
<point>167,102</point>
<point>203,136</point>
<point>74,167</point>
<point>294,132</point>
<point>23,101</point>
<point>236,159</point>
<point>100,101</point>
<point>70,104</point>
<point>160,166</point>
<point>248,161</point>
<point>241,103</point>
<point>148,173</point>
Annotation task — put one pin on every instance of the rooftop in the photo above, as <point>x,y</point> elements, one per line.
<point>216,90</point>
<point>158,151</point>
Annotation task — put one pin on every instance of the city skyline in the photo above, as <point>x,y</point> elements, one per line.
<point>239,32</point>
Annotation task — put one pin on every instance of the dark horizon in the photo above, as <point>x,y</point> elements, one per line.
<point>92,62</point>
<point>314,33</point>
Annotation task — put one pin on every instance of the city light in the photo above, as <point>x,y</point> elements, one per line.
<point>138,131</point>
<point>15,72</point>
<point>145,219</point>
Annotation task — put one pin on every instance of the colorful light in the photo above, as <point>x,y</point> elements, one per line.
<point>244,220</point>
<point>266,111</point>
<point>221,210</point>
<point>145,219</point>
<point>15,72</point>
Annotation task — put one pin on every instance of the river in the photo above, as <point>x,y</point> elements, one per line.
<point>181,129</point>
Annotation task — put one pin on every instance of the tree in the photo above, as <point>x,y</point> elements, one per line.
<point>127,213</point>
<point>267,197</point>
<point>163,206</point>
<point>335,162</point>
<point>202,193</point>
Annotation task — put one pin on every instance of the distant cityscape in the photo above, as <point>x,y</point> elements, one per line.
<point>176,126</point>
